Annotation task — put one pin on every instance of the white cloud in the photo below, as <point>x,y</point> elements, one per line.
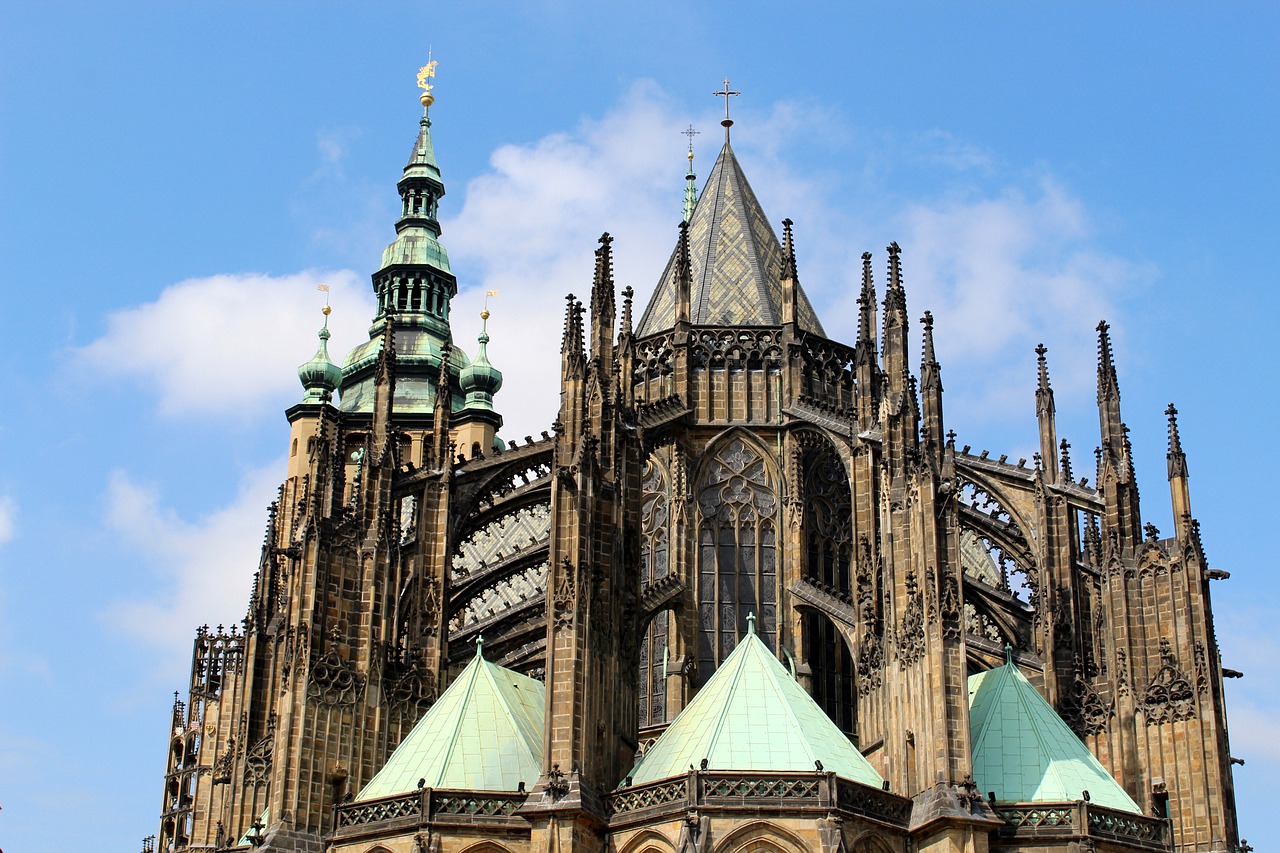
<point>202,568</point>
<point>8,514</point>
<point>230,344</point>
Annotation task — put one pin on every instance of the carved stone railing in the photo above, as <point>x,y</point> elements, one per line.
<point>380,810</point>
<point>713,790</point>
<point>1083,819</point>
<point>428,806</point>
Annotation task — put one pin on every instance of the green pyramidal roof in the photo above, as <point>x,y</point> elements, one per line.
<point>752,715</point>
<point>1025,753</point>
<point>483,734</point>
<point>736,262</point>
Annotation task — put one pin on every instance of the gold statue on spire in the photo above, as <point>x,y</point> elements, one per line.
<point>425,74</point>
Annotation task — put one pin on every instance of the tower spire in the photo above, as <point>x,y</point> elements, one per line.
<point>690,188</point>
<point>1046,415</point>
<point>790,278</point>
<point>1178,481</point>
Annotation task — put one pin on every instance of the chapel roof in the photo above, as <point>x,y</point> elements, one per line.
<point>753,715</point>
<point>484,733</point>
<point>1025,753</point>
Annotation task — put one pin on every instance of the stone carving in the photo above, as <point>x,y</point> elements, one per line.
<point>408,684</point>
<point>911,628</point>
<point>333,681</point>
<point>870,663</point>
<point>257,763</point>
<point>1169,697</point>
<point>222,767</point>
<point>565,601</point>
<point>1084,710</point>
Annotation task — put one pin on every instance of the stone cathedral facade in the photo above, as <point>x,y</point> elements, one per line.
<point>746,593</point>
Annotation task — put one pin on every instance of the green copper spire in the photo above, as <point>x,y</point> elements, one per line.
<point>414,287</point>
<point>481,380</point>
<point>690,187</point>
<point>320,376</point>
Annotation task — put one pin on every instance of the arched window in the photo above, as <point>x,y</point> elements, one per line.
<point>737,552</point>
<point>654,566</point>
<point>828,551</point>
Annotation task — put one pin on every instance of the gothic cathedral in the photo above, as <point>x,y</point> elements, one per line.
<point>746,593</point>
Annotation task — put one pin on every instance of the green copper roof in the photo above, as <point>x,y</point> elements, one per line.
<point>1025,753</point>
<point>752,715</point>
<point>320,376</point>
<point>483,734</point>
<point>736,259</point>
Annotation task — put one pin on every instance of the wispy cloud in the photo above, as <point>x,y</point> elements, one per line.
<point>202,567</point>
<point>8,518</point>
<point>229,345</point>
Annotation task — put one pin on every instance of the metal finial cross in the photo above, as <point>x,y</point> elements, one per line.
<point>726,94</point>
<point>691,133</point>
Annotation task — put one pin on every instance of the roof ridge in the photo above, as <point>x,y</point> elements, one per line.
<point>1002,674</point>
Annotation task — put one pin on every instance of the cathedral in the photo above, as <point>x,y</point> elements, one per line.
<point>745,593</point>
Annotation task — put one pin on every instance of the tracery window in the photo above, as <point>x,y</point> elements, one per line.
<point>654,566</point>
<point>828,539</point>
<point>737,552</point>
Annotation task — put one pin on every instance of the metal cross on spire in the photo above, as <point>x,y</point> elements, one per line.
<point>726,93</point>
<point>691,133</point>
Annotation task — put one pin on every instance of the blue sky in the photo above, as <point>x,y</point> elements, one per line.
<point>176,178</point>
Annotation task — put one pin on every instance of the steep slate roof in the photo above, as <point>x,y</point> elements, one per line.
<point>752,715</point>
<point>736,259</point>
<point>1025,753</point>
<point>483,734</point>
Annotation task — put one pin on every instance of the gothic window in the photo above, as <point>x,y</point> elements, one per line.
<point>654,566</point>
<point>737,553</point>
<point>828,540</point>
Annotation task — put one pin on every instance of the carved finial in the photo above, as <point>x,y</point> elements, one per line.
<point>1107,382</point>
<point>895,266</point>
<point>1153,532</point>
<point>927,355</point>
<point>788,251</point>
<point>751,623</point>
<point>1066,459</point>
<point>1175,441</point>
<point>480,645</point>
<point>1042,366</point>
<point>567,335</point>
<point>627,295</point>
<point>1008,654</point>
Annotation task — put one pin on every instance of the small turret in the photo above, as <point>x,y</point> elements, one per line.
<point>1178,480</point>
<point>480,380</point>
<point>320,376</point>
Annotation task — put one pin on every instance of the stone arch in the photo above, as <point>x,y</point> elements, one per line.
<point>736,539</point>
<point>648,841</point>
<point>870,842</point>
<point>486,847</point>
<point>761,836</point>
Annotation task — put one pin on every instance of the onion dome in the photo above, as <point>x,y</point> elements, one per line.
<point>481,380</point>
<point>320,376</point>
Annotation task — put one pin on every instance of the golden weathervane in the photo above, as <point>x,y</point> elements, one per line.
<point>425,74</point>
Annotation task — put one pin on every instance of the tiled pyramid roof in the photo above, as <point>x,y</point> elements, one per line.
<point>483,734</point>
<point>752,715</point>
<point>1025,753</point>
<point>736,260</point>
